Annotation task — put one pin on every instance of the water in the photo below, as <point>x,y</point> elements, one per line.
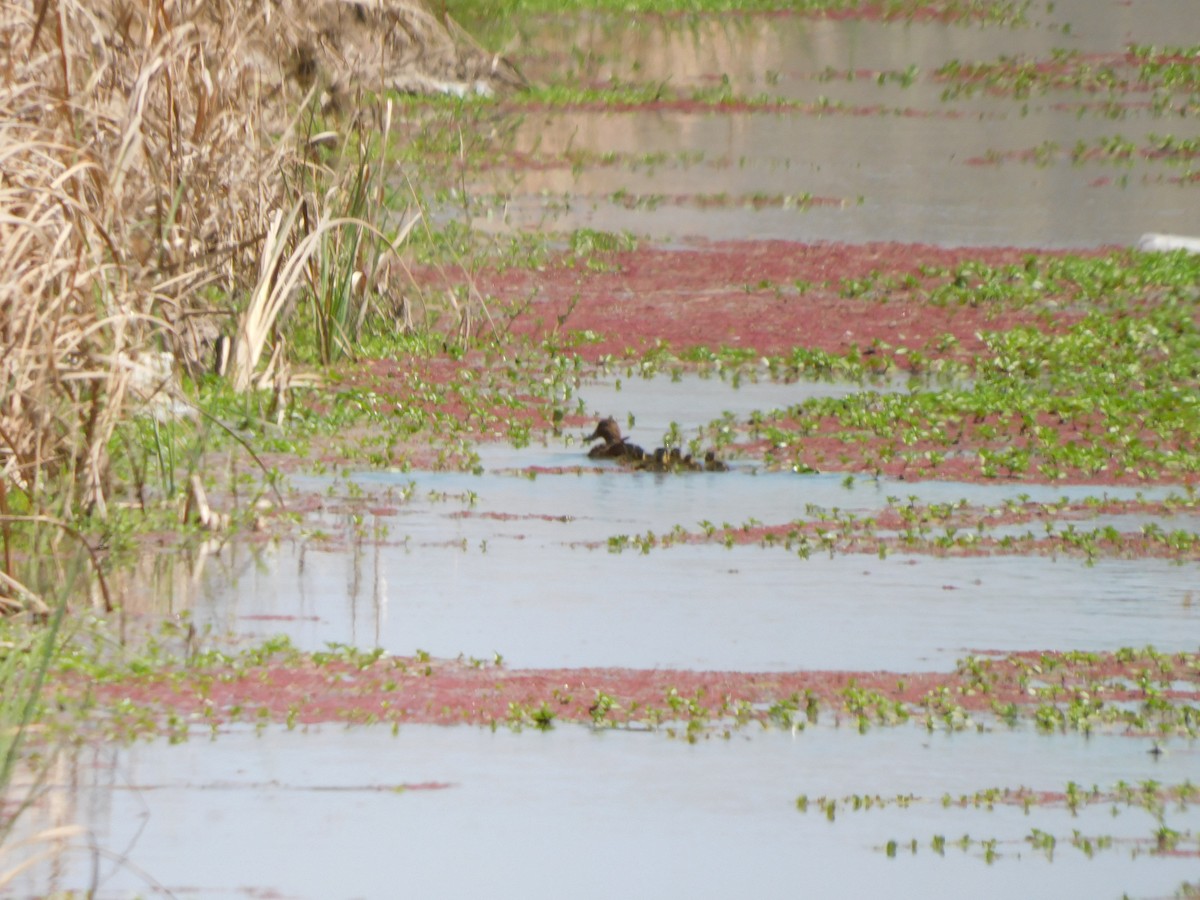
<point>518,561</point>
<point>699,608</point>
<point>315,814</point>
<point>502,562</point>
<point>894,163</point>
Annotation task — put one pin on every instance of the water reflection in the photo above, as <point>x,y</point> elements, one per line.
<point>886,159</point>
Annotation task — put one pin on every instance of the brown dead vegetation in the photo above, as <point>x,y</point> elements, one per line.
<point>147,147</point>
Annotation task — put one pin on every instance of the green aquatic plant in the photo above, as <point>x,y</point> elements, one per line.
<point>1032,384</point>
<point>26,658</point>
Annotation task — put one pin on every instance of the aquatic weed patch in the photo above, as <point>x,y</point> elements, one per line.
<point>774,298</point>
<point>1039,367</point>
<point>1106,396</point>
<point>1035,367</point>
<point>658,98</point>
<point>1151,796</point>
<point>958,529</point>
<point>1159,808</point>
<point>1165,80</point>
<point>994,11</point>
<point>175,687</point>
<point>1115,150</point>
<point>426,408</point>
<point>1059,367</point>
<point>799,202</point>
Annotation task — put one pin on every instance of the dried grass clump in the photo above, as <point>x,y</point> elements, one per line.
<point>153,193</point>
<point>147,155</point>
<point>136,172</point>
<point>398,45</point>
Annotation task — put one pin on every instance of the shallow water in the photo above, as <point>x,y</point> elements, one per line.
<point>518,561</point>
<point>502,562</point>
<point>316,815</point>
<point>699,607</point>
<point>899,163</point>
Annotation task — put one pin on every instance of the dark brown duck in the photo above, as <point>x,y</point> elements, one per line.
<point>614,446</point>
<point>661,460</point>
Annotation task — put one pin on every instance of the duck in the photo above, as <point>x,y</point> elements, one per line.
<point>663,459</point>
<point>615,446</point>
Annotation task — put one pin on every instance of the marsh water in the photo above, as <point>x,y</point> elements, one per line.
<point>324,813</point>
<point>881,158</point>
<point>518,560</point>
<point>502,562</point>
<point>522,560</point>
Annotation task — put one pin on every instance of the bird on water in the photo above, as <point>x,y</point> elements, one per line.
<point>615,446</point>
<point>664,459</point>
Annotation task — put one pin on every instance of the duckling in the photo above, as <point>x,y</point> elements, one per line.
<point>712,464</point>
<point>657,462</point>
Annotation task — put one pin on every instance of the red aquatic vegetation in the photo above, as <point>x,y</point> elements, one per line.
<point>305,690</point>
<point>762,298</point>
<point>733,106</point>
<point>745,294</point>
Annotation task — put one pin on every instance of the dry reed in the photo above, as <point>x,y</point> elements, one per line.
<point>136,179</point>
<point>155,192</point>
